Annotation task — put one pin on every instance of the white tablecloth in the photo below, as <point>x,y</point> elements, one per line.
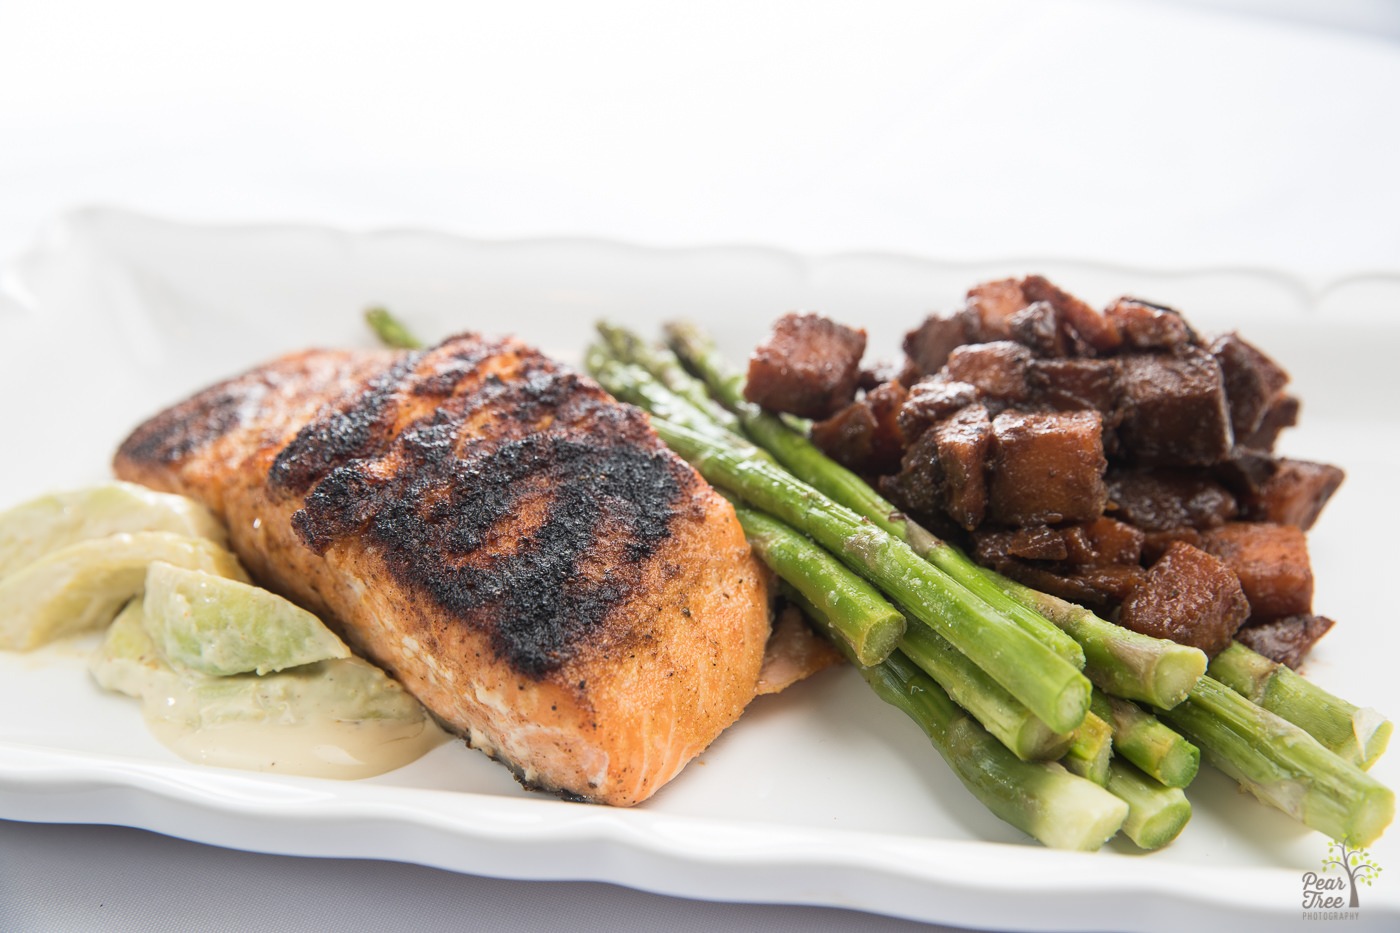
<point>1150,134</point>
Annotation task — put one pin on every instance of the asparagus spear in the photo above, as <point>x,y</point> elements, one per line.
<point>1156,813</point>
<point>859,616</point>
<point>1282,765</point>
<point>390,330</point>
<point>1119,660</point>
<point>855,615</point>
<point>1142,739</point>
<point>1156,671</point>
<point>1016,727</point>
<point>1047,684</point>
<point>1357,735</point>
<point>1041,799</point>
<point>630,383</point>
<point>1090,750</point>
<point>627,347</point>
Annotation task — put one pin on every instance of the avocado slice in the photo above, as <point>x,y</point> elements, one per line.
<point>221,627</point>
<point>50,523</point>
<point>82,586</point>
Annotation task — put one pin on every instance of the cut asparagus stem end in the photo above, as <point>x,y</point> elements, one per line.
<point>1119,660</point>
<point>1356,734</point>
<point>1144,740</point>
<point>1041,799</point>
<point>853,609</point>
<point>1156,813</point>
<point>1025,734</point>
<point>1282,765</point>
<point>1090,750</point>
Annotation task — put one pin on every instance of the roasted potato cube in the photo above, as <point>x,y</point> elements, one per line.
<point>1190,597</point>
<point>1174,410</point>
<point>1038,542</point>
<point>1071,384</point>
<point>1253,381</point>
<point>809,366</point>
<point>1097,331</point>
<point>1271,562</point>
<point>1286,640</point>
<point>1283,413</point>
<point>964,444</point>
<point>1147,326</point>
<point>1047,467</point>
<point>1040,327</point>
<point>1159,500</point>
<point>930,401</point>
<point>1111,542</point>
<point>990,306</point>
<point>865,436</point>
<point>1295,494</point>
<point>928,345</point>
<point>997,369</point>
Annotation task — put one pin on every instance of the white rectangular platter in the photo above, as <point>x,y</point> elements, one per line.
<point>821,795</point>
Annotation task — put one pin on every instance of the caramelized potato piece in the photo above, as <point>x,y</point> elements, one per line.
<point>1163,500</point>
<point>1253,381</point>
<point>1072,384</point>
<point>1147,326</point>
<point>809,366</point>
<point>865,436</point>
<point>990,306</point>
<point>929,344</point>
<point>930,401</point>
<point>964,445</point>
<point>1174,411</point>
<point>1190,597</point>
<point>1286,640</point>
<point>1295,494</point>
<point>1047,467</point>
<point>1272,564</point>
<point>1040,327</point>
<point>1097,331</point>
<point>998,369</point>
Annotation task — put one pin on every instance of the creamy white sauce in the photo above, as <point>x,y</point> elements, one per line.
<point>315,746</point>
<point>341,718</point>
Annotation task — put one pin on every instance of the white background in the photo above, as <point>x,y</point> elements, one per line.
<point>1152,134</point>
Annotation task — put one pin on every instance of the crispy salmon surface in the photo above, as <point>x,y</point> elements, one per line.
<point>517,548</point>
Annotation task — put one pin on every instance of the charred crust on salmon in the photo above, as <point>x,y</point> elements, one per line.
<point>452,532</point>
<point>494,530</point>
<point>187,428</point>
<point>357,430</point>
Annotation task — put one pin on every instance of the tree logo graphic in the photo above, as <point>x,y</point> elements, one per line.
<point>1322,893</point>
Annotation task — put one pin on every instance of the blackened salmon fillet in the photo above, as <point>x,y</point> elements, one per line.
<point>513,545</point>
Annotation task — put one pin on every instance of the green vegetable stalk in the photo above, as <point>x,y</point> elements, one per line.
<point>1042,799</point>
<point>1356,734</point>
<point>1156,813</point>
<point>390,330</point>
<point>1142,739</point>
<point>1282,765</point>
